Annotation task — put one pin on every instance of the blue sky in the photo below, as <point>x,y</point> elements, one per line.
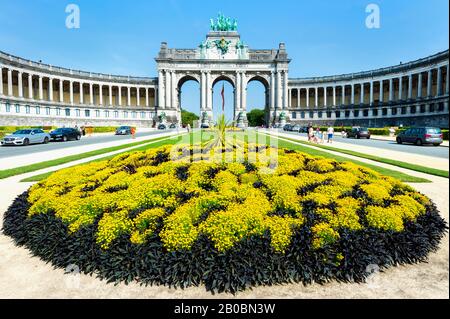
<point>322,37</point>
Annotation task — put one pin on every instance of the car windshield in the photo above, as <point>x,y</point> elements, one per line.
<point>59,130</point>
<point>124,127</point>
<point>22,132</point>
<point>363,129</point>
<point>433,130</point>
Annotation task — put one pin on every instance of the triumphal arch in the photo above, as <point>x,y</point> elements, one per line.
<point>223,55</point>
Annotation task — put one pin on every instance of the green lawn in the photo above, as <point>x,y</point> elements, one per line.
<point>35,167</point>
<point>413,167</point>
<point>262,139</point>
<point>184,139</point>
<point>265,138</point>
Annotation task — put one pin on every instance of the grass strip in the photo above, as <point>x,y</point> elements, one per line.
<point>413,167</point>
<point>157,143</point>
<point>41,165</point>
<point>384,171</point>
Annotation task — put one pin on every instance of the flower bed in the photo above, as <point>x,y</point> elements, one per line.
<point>185,221</point>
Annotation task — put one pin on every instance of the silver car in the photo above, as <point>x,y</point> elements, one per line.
<point>26,137</point>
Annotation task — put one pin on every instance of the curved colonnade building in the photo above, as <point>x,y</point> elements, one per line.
<point>36,94</point>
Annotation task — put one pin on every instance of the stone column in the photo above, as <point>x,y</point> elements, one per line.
<point>316,97</point>
<point>30,86</point>
<point>174,90</point>
<point>168,97</point>
<point>307,98</point>
<point>343,95</point>
<point>334,96</point>
<point>391,90</point>
<point>119,93</point>
<point>279,91</point>
<point>100,94</point>
<point>272,90</point>
<point>19,81</point>
<point>244,92</point>
<point>128,95</point>
<point>371,93</point>
<point>419,86</point>
<point>110,95</point>
<point>209,91</point>
<point>50,89</point>
<point>325,97</point>
<point>361,100</point>
<point>203,90</point>
<point>289,98</point>
<point>91,93</point>
<point>10,86</point>
<point>429,83</point>
<point>160,89</point>
<point>147,101</point>
<point>298,98</point>
<point>381,92</point>
<point>61,91</point>
<point>446,81</point>
<point>439,82</point>
<point>400,88</point>
<point>41,89</point>
<point>138,98</point>
<point>71,91</point>
<point>81,93</point>
<point>237,92</point>
<point>286,97</point>
<point>410,84</point>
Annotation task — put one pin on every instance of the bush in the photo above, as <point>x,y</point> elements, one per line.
<point>228,226</point>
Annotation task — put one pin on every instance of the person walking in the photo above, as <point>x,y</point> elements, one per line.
<point>188,128</point>
<point>330,132</point>
<point>133,132</point>
<point>310,133</point>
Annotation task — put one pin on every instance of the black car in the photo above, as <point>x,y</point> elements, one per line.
<point>123,130</point>
<point>359,132</point>
<point>173,125</point>
<point>162,127</point>
<point>65,134</point>
<point>287,127</point>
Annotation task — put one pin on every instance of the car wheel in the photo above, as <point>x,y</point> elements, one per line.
<point>78,137</point>
<point>64,138</point>
<point>419,142</point>
<point>26,142</point>
<point>399,140</point>
<point>436,144</point>
<point>46,140</point>
<point>358,137</point>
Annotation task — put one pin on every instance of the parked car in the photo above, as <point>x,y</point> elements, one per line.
<point>173,125</point>
<point>296,128</point>
<point>304,129</point>
<point>287,127</point>
<point>421,135</point>
<point>359,132</point>
<point>123,130</point>
<point>162,127</point>
<point>65,134</point>
<point>204,125</point>
<point>26,137</point>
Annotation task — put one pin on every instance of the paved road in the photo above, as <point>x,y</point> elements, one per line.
<point>428,150</point>
<point>9,151</point>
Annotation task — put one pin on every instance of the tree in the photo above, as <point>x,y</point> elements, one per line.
<point>188,118</point>
<point>256,117</point>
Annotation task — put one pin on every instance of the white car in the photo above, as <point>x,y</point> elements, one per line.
<point>26,137</point>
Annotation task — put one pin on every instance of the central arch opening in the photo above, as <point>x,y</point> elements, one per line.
<point>226,85</point>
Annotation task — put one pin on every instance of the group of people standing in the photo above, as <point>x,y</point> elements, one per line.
<point>319,136</point>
